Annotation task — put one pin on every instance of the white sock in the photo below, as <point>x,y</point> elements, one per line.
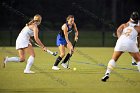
<point>138,64</point>
<point>13,59</point>
<point>30,61</point>
<point>133,60</point>
<point>111,65</point>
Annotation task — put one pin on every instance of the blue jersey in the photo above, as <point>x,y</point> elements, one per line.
<point>61,37</point>
<point>69,30</point>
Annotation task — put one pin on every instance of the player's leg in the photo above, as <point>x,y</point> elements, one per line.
<point>59,58</point>
<point>71,51</point>
<point>30,60</point>
<point>21,58</point>
<point>111,64</point>
<point>67,57</point>
<point>21,53</point>
<point>136,56</point>
<point>134,62</point>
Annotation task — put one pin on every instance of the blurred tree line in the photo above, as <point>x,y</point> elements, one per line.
<point>97,19</point>
<point>89,14</point>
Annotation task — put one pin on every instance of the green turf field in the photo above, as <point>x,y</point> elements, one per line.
<point>90,64</point>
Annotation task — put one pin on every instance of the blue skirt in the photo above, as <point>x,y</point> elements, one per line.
<point>60,40</point>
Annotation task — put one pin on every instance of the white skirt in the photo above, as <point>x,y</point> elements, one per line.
<point>126,46</point>
<point>22,43</point>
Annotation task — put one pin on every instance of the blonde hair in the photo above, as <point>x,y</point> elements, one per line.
<point>69,16</point>
<point>37,18</point>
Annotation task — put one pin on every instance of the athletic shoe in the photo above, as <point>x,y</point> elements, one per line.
<point>134,63</point>
<point>29,72</point>
<point>55,68</point>
<point>105,77</point>
<point>5,61</point>
<point>64,65</point>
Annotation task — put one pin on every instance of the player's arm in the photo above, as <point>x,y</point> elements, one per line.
<point>119,30</point>
<point>35,29</point>
<point>76,32</point>
<point>65,30</point>
<point>138,38</point>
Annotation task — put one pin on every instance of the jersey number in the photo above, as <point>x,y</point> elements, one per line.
<point>128,32</point>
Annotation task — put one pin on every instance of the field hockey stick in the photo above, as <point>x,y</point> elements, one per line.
<point>71,53</point>
<point>50,52</point>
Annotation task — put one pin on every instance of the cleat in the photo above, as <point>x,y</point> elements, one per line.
<point>29,72</point>
<point>55,68</point>
<point>5,61</point>
<point>64,65</point>
<point>105,77</point>
<point>134,63</point>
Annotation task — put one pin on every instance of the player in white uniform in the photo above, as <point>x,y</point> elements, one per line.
<point>23,44</point>
<point>127,35</point>
<point>138,42</point>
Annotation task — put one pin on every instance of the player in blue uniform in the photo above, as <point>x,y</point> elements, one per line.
<point>63,41</point>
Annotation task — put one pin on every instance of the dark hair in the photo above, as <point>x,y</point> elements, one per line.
<point>135,17</point>
<point>69,16</point>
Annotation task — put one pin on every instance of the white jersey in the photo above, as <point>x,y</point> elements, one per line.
<point>127,40</point>
<point>23,38</point>
<point>138,23</point>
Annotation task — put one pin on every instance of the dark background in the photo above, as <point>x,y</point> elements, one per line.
<point>96,19</point>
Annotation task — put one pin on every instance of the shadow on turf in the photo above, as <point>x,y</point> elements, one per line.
<point>53,77</point>
<point>102,65</point>
<point>59,80</point>
<point>81,53</point>
<point>88,57</point>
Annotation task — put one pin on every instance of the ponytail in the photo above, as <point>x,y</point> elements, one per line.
<point>30,23</point>
<point>37,18</point>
